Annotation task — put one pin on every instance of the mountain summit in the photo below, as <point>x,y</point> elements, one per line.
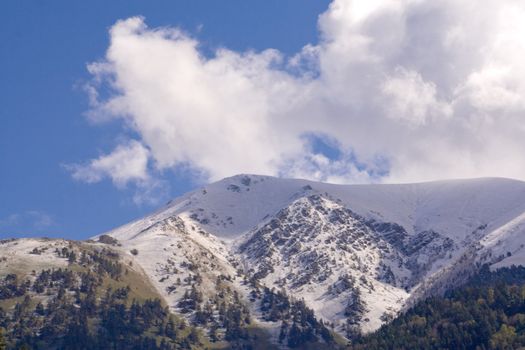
<point>357,254</point>
<point>351,257</point>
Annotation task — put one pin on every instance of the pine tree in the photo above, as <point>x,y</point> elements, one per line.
<point>169,330</point>
<point>72,257</point>
<point>3,344</point>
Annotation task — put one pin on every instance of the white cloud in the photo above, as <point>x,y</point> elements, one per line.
<point>436,89</point>
<point>412,99</point>
<point>127,162</point>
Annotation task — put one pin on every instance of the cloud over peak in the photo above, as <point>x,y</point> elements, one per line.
<point>407,91</point>
<point>127,162</point>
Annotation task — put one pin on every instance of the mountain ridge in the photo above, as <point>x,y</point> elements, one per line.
<point>449,214</point>
<point>278,199</point>
<point>356,254</point>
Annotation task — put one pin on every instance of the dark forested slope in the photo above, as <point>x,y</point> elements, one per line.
<point>487,313</point>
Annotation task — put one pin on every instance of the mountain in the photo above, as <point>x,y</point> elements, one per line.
<point>485,313</point>
<point>295,259</point>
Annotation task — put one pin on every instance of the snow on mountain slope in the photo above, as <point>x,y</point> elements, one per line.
<point>355,253</point>
<point>235,205</point>
<point>22,255</point>
<point>351,277</point>
<point>508,241</point>
<point>175,255</point>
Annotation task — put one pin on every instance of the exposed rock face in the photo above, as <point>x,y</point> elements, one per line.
<point>357,255</point>
<point>320,250</point>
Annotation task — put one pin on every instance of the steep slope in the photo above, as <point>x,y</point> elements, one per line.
<point>319,250</point>
<point>177,254</point>
<point>485,313</point>
<point>250,248</point>
<point>82,295</point>
<point>235,205</point>
<point>356,253</point>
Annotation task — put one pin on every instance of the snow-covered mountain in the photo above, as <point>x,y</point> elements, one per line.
<point>356,254</point>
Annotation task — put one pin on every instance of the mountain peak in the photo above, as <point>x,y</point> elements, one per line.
<point>356,254</point>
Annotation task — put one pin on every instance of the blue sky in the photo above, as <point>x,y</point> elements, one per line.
<point>111,108</point>
<point>44,49</point>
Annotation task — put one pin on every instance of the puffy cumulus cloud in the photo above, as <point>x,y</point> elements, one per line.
<point>412,99</point>
<point>126,163</point>
<point>409,90</point>
<point>221,115</point>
